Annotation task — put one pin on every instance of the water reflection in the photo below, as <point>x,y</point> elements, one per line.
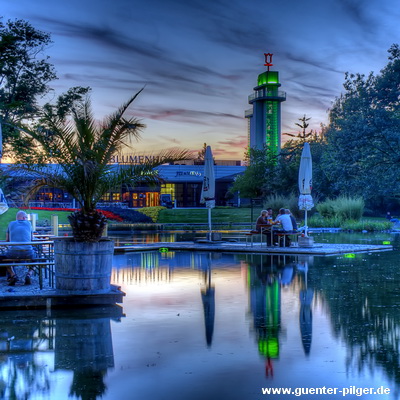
<point>33,341</point>
<point>306,297</point>
<point>267,275</point>
<point>208,298</point>
<point>333,316</point>
<point>363,297</point>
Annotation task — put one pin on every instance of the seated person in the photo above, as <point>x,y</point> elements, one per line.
<point>286,225</point>
<point>294,223</point>
<point>269,218</point>
<point>19,230</point>
<point>261,220</point>
<point>260,223</point>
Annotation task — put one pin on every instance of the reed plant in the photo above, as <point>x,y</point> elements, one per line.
<point>276,201</point>
<point>344,208</point>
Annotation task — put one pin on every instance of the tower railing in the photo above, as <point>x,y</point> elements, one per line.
<point>271,95</point>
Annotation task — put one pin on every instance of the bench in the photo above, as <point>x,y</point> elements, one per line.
<point>248,235</point>
<point>44,258</point>
<point>36,264</point>
<point>287,235</point>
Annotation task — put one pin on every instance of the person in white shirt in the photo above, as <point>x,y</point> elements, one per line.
<point>286,225</point>
<point>285,220</point>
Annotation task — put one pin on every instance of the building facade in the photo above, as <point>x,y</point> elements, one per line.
<point>182,183</point>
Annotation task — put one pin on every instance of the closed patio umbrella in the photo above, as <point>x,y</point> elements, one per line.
<point>305,183</point>
<point>208,189</point>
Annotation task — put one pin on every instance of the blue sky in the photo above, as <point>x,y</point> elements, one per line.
<point>199,60</point>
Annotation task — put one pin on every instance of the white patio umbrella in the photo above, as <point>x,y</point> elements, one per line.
<point>208,189</point>
<point>305,183</point>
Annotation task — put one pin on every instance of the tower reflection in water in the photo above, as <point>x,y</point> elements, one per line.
<point>33,343</point>
<point>267,274</point>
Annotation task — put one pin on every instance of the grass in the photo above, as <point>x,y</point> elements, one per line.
<point>218,215</point>
<point>44,217</point>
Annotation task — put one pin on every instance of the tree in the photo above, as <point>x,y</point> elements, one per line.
<point>202,153</point>
<point>289,159</point>
<point>256,181</point>
<point>24,73</point>
<point>82,151</point>
<point>362,155</point>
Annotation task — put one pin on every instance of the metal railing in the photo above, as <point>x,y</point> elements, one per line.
<point>269,95</point>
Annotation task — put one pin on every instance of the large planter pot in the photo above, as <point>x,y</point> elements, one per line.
<point>83,266</point>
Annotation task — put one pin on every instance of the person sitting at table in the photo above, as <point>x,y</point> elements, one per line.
<point>19,230</point>
<point>261,220</point>
<point>269,215</point>
<point>260,223</point>
<point>294,223</point>
<point>286,225</point>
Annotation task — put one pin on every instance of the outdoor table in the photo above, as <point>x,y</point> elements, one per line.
<point>266,229</point>
<point>44,248</point>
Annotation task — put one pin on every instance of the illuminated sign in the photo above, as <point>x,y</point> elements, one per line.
<point>386,242</point>
<point>191,173</point>
<point>163,250</point>
<point>134,159</point>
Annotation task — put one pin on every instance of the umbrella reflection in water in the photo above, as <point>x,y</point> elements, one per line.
<point>305,315</point>
<point>208,298</point>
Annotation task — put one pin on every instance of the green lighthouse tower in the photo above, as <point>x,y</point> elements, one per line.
<point>264,119</point>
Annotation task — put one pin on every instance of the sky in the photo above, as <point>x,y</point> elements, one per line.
<point>198,60</point>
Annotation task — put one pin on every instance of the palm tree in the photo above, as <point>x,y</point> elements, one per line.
<point>82,151</point>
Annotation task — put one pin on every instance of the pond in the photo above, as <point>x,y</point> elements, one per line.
<point>198,325</point>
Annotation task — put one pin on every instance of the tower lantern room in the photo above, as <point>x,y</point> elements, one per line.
<point>264,119</point>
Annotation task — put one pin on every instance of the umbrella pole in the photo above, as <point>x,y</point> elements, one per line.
<point>305,223</point>
<point>209,224</point>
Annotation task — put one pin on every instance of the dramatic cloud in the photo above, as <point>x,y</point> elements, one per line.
<point>198,61</point>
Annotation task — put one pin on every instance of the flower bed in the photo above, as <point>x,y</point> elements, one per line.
<point>107,214</point>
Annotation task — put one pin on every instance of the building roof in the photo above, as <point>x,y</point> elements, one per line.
<point>195,173</point>
<point>170,173</point>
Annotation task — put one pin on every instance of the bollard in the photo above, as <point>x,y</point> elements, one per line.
<point>33,218</point>
<point>54,225</point>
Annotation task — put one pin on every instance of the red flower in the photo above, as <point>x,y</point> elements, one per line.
<point>107,214</point>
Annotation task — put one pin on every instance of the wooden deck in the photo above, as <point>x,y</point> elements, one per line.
<point>31,297</point>
<point>238,247</point>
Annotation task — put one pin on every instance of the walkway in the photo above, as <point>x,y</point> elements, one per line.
<point>317,249</point>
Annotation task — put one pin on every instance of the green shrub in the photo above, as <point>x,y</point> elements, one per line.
<point>327,209</point>
<point>317,221</point>
<point>367,225</point>
<point>276,202</point>
<point>152,212</point>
